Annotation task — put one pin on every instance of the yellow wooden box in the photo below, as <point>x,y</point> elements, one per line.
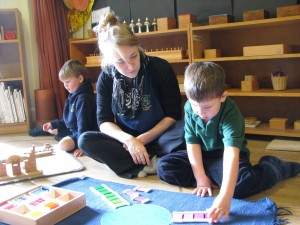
<point>184,20</point>
<point>297,125</point>
<point>212,53</point>
<point>267,50</point>
<point>166,23</point>
<point>93,60</point>
<point>278,123</point>
<point>220,19</point>
<point>255,15</point>
<point>247,85</point>
<point>291,10</point>
<point>250,78</point>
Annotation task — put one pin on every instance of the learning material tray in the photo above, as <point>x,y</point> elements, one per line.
<point>41,205</point>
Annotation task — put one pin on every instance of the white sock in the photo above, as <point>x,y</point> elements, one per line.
<point>142,174</point>
<point>152,168</point>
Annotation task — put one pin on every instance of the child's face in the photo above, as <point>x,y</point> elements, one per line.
<point>207,109</point>
<point>127,60</point>
<point>72,83</point>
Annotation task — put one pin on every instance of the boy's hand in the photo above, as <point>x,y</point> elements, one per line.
<point>203,187</point>
<point>47,126</point>
<point>219,209</point>
<point>78,153</point>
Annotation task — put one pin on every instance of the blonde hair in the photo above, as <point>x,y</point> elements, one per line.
<point>111,34</point>
<point>72,68</point>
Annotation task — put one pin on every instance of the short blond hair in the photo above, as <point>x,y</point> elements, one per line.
<point>72,68</point>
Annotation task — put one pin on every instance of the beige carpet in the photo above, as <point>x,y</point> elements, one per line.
<point>59,162</point>
<point>284,145</point>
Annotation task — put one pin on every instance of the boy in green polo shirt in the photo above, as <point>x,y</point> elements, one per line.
<point>217,153</point>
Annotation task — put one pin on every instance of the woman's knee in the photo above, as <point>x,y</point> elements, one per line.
<point>83,140</point>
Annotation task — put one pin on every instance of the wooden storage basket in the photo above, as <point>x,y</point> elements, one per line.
<point>279,82</point>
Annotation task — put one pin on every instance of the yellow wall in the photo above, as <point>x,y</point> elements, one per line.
<point>30,49</point>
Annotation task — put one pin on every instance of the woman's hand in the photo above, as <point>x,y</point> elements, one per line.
<point>137,151</point>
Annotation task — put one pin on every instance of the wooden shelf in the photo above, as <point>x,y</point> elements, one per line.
<point>16,41</point>
<point>19,78</point>
<point>171,32</point>
<point>240,58</point>
<point>251,24</point>
<point>263,129</point>
<point>12,67</point>
<point>230,38</point>
<point>265,93</point>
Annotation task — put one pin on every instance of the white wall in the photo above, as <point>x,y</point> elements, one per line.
<point>30,49</point>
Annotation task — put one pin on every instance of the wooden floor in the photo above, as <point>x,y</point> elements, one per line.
<point>285,194</point>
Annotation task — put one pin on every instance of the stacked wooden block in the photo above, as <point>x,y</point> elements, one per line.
<point>250,83</point>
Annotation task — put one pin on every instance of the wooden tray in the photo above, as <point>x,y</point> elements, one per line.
<point>41,205</point>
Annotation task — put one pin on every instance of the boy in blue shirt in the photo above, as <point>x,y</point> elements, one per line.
<point>79,114</point>
<point>217,153</point>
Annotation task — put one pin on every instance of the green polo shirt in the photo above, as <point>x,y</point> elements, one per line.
<point>227,128</point>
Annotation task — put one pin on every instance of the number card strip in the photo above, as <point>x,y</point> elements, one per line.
<point>190,216</point>
<point>112,198</point>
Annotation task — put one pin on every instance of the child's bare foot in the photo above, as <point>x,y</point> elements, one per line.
<point>78,153</point>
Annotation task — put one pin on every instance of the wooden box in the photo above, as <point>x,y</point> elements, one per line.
<point>247,85</point>
<point>250,83</point>
<point>255,15</point>
<point>169,55</point>
<point>41,206</point>
<point>297,125</point>
<point>166,23</point>
<point>93,60</point>
<point>278,123</point>
<point>219,19</point>
<point>212,53</point>
<point>184,20</point>
<point>292,10</point>
<point>267,50</point>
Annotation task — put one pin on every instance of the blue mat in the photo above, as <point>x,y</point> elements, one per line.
<point>243,212</point>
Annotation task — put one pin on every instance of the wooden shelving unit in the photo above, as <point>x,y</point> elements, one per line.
<point>264,103</point>
<point>80,48</point>
<point>12,65</point>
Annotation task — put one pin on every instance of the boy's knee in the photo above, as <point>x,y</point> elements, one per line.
<point>66,144</point>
